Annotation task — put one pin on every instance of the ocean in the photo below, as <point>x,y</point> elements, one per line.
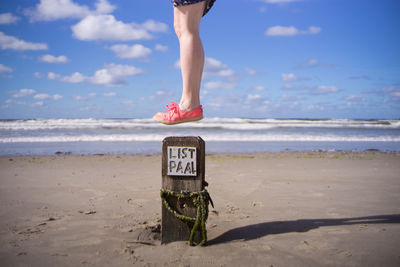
<point>222,135</point>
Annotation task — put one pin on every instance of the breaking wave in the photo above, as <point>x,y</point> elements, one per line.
<point>207,123</point>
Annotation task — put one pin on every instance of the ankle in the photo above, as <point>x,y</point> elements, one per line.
<point>188,106</point>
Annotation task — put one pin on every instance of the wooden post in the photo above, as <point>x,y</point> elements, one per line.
<point>183,170</point>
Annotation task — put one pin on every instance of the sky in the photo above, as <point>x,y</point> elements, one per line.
<point>264,59</point>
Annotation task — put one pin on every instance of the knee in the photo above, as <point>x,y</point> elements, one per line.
<point>184,30</point>
<point>178,30</point>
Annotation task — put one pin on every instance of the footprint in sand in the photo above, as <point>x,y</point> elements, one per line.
<point>32,231</point>
<point>342,253</point>
<point>304,245</point>
<point>231,209</point>
<point>135,202</point>
<point>256,204</point>
<point>267,247</point>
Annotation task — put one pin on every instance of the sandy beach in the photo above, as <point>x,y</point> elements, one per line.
<point>271,209</point>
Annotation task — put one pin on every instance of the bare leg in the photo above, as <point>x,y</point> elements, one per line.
<point>186,23</point>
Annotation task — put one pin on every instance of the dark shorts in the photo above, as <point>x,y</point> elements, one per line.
<point>209,3</point>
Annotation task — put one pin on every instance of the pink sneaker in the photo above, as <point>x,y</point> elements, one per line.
<point>175,115</point>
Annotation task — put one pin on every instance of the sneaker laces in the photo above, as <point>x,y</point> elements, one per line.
<point>173,108</point>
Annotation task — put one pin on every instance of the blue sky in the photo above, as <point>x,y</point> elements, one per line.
<point>264,59</point>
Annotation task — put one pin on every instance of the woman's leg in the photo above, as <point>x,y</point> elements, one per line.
<point>186,23</point>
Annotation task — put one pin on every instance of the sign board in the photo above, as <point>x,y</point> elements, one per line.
<point>182,170</point>
<point>182,161</point>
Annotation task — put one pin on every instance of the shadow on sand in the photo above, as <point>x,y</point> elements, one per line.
<point>255,231</point>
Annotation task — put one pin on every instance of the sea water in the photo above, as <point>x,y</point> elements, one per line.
<point>222,135</point>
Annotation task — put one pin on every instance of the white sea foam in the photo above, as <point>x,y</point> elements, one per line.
<point>210,129</point>
<point>208,123</point>
<point>206,137</point>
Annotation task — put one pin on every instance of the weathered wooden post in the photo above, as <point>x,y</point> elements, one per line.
<point>185,201</point>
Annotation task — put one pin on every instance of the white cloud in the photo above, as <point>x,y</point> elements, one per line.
<point>112,75</point>
<point>177,64</point>
<point>251,102</point>
<point>290,77</point>
<point>48,10</point>
<point>396,94</point>
<point>76,77</point>
<point>393,92</point>
<point>162,48</point>
<point>109,94</point>
<point>37,104</point>
<point>53,76</point>
<point>47,96</point>
<point>38,74</point>
<point>11,101</point>
<point>215,68</point>
<point>317,107</point>
<point>8,18</point>
<point>107,28</point>
<point>57,97</point>
<point>130,51</point>
<point>41,96</point>
<point>53,59</point>
<point>204,93</point>
<point>324,89</point>
<point>4,69</point>
<point>253,97</point>
<point>292,97</point>
<point>256,101</point>
<point>220,85</point>
<point>290,31</point>
<point>86,97</point>
<point>104,7</point>
<point>8,102</point>
<point>312,30</point>
<point>226,100</point>
<point>226,73</point>
<point>13,43</point>
<point>23,93</point>
<point>389,89</point>
<point>312,62</point>
<point>281,31</point>
<point>355,98</point>
<point>153,26</point>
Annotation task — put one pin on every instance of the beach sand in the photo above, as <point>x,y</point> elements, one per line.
<point>271,209</point>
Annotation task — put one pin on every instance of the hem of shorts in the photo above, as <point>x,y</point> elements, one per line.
<point>209,4</point>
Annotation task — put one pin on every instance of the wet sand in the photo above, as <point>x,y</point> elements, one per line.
<point>271,209</point>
